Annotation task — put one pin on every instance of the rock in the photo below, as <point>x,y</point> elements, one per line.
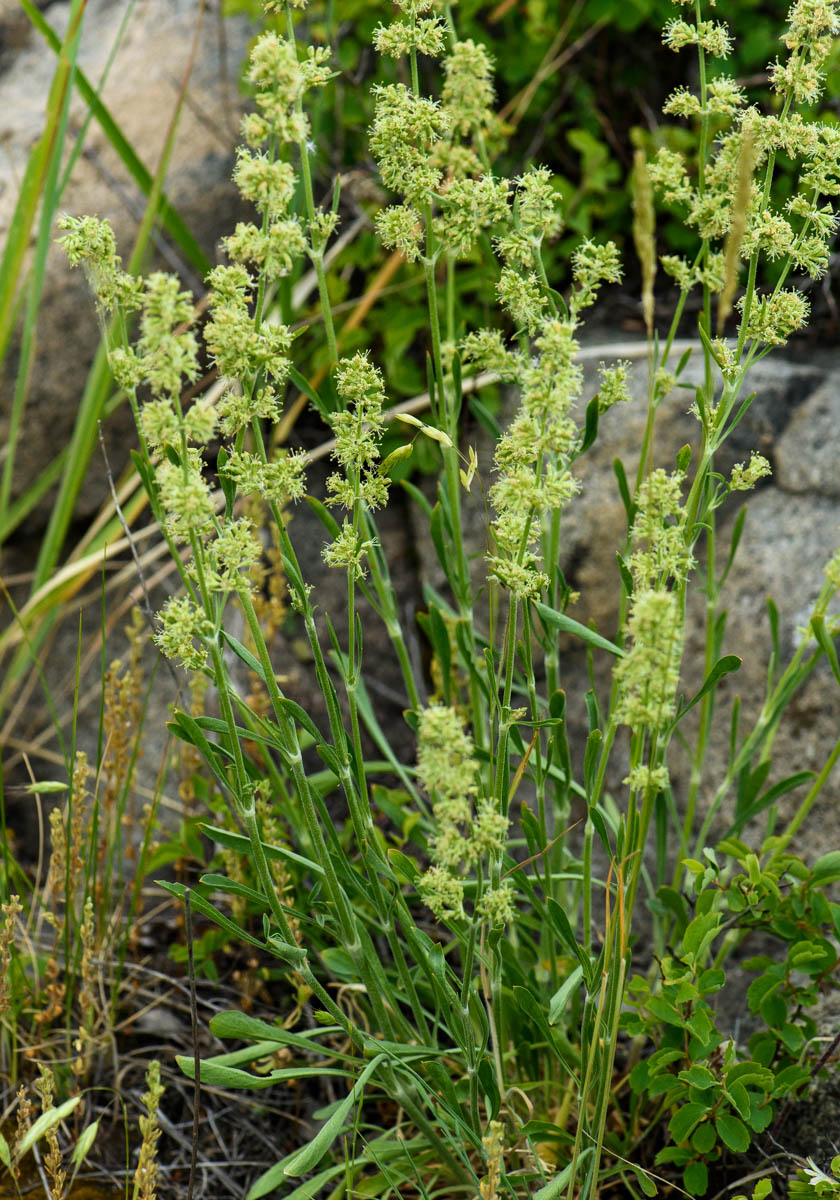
<point>807,452</point>
<point>140,93</point>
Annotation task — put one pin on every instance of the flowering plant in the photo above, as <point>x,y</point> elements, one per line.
<point>494,1030</point>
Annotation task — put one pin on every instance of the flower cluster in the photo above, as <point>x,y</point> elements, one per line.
<point>660,559</point>
<point>280,81</point>
<point>449,772</point>
<point>240,349</point>
<point>649,673</point>
<point>721,203</point>
<point>418,35</point>
<point>468,96</point>
<point>183,632</point>
<point>405,128</point>
<point>435,154</point>
<point>357,430</point>
<point>659,554</point>
<point>90,244</point>
<point>744,478</point>
<point>534,455</point>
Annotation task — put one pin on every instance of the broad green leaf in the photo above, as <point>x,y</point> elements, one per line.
<point>274,1178</point>
<point>209,910</point>
<point>739,1098</point>
<point>826,869</point>
<point>557,1187</point>
<point>5,1153</point>
<point>773,1009</point>
<point>684,1120</point>
<point>645,1181</point>
<point>560,999</point>
<point>566,934</point>
<point>699,934</point>
<point>733,1132</point>
<point>703,1138</point>
<point>698,1077</point>
<point>750,1074</point>
<point>760,1114</point>
<point>696,1178</point>
<point>242,843</point>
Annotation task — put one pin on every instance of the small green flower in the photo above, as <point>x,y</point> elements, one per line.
<point>200,422</point>
<point>613,387</point>
<point>445,759</point>
<point>669,176</point>
<point>522,296</point>
<point>90,244</point>
<point>270,185</point>
<point>233,553</point>
<point>425,36</point>
<point>644,777</point>
<point>486,348</point>
<point>468,95</point>
<point>537,204</point>
<point>280,480</point>
<point>442,893</point>
<point>593,265</point>
<point>489,829</point>
<point>404,131</point>
<point>497,906</point>
<point>185,496</point>
<point>236,410</point>
<point>160,424</point>
<point>348,551</point>
<point>649,673</point>
<point>469,207</point>
<point>743,479</point>
<point>182,624</point>
<point>400,228</point>
<point>712,36</point>
<point>774,318</point>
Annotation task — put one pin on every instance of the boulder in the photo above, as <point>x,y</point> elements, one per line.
<point>153,56</point>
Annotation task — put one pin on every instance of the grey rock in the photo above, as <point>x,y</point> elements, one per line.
<point>806,454</point>
<point>140,93</point>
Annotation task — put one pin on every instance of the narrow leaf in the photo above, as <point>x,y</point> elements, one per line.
<point>562,623</point>
<point>309,1156</point>
<point>46,1121</point>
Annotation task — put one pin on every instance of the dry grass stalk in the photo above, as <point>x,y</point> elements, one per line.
<point>23,1120</point>
<point>145,1176</point>
<point>737,229</point>
<point>88,1007</point>
<point>53,1160</point>
<point>644,233</point>
<point>494,1145</point>
<point>7,941</point>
